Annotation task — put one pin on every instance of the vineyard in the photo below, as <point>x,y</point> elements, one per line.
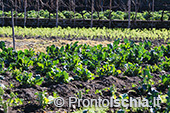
<point>133,63</point>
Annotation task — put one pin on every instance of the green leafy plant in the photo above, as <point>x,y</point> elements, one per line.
<point>83,74</point>
<point>12,101</point>
<point>115,15</point>
<point>107,70</point>
<point>2,45</point>
<point>44,100</point>
<point>165,79</point>
<point>155,68</point>
<point>168,101</point>
<point>132,69</point>
<point>56,75</point>
<point>166,64</point>
<point>26,78</point>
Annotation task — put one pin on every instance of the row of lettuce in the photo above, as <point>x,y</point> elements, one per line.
<point>118,15</point>
<point>83,62</point>
<point>88,33</point>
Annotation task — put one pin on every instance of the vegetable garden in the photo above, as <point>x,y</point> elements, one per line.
<point>103,15</point>
<point>31,80</point>
<point>85,63</point>
<point>99,34</point>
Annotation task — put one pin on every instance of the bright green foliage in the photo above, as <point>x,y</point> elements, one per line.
<point>155,68</point>
<point>153,56</point>
<point>12,101</point>
<point>56,75</point>
<point>22,63</point>
<point>26,78</point>
<point>165,80</point>
<point>2,45</point>
<point>132,69</point>
<point>84,61</point>
<point>147,77</point>
<point>90,33</point>
<point>166,50</point>
<point>1,65</point>
<point>107,70</point>
<point>166,64</point>
<point>168,101</point>
<point>44,100</point>
<point>83,73</point>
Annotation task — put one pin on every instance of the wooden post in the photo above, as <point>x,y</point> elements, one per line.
<point>25,12</point>
<point>136,10</point>
<point>101,5</point>
<point>38,12</point>
<point>16,12</point>
<point>56,13</point>
<point>74,6</point>
<point>51,4</point>
<point>129,10</point>
<point>85,4</point>
<point>13,33</point>
<point>152,11</point>
<point>153,3</point>
<point>3,13</point>
<point>92,9</point>
<point>110,13</point>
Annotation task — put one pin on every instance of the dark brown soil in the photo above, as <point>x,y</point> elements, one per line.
<point>122,84</point>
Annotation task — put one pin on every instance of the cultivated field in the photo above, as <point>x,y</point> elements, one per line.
<point>85,64</point>
<point>118,15</point>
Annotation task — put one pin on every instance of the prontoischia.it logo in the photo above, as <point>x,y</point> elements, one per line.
<point>131,102</point>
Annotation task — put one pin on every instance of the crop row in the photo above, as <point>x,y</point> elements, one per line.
<point>118,15</point>
<point>88,33</point>
<point>83,62</point>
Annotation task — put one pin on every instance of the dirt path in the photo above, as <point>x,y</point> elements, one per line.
<point>40,45</point>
